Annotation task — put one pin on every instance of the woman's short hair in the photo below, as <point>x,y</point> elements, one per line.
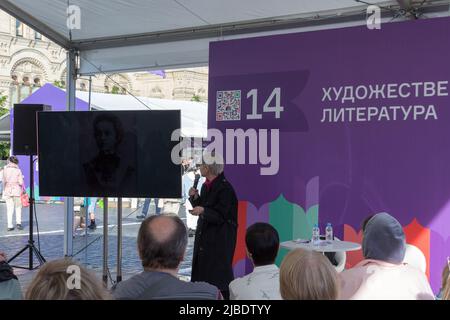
<point>445,275</point>
<point>57,280</point>
<point>214,162</point>
<point>446,293</point>
<point>262,243</point>
<point>446,282</point>
<point>13,159</point>
<point>308,275</point>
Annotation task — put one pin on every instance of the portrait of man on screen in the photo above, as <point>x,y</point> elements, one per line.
<point>110,170</point>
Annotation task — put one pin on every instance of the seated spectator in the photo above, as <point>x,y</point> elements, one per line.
<point>9,285</point>
<point>445,277</point>
<point>383,275</point>
<point>65,279</point>
<point>263,283</point>
<point>162,242</point>
<point>308,275</point>
<point>444,293</point>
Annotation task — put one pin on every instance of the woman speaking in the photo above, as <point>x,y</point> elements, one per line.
<point>215,236</point>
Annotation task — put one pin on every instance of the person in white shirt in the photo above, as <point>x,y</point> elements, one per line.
<point>263,283</point>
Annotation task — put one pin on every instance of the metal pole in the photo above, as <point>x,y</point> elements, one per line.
<point>87,210</point>
<point>30,240</point>
<point>68,201</point>
<point>119,239</point>
<point>86,217</point>
<point>105,242</point>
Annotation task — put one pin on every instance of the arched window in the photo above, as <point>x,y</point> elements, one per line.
<point>27,76</point>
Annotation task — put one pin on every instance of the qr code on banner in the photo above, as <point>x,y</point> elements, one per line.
<point>228,105</point>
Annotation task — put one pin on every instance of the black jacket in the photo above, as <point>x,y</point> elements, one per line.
<point>215,238</point>
<point>6,272</point>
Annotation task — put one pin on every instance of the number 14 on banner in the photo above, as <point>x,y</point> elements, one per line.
<point>277,108</point>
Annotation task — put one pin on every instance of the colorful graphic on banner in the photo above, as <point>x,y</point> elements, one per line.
<point>362,113</point>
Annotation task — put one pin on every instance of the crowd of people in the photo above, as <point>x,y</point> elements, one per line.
<point>303,275</point>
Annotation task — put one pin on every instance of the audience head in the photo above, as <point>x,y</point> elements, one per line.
<point>162,242</point>
<point>308,275</point>
<point>446,281</point>
<point>13,159</point>
<point>262,243</point>
<point>384,239</point>
<point>445,275</point>
<point>57,280</point>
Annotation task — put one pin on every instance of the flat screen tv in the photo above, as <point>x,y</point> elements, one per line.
<point>108,154</point>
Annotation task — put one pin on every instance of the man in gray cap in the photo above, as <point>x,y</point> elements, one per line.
<point>382,275</point>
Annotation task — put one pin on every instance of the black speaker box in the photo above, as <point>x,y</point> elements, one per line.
<point>25,130</point>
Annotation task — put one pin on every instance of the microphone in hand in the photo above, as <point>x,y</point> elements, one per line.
<point>197,178</point>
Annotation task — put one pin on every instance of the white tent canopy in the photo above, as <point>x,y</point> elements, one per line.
<point>193,114</point>
<point>117,35</point>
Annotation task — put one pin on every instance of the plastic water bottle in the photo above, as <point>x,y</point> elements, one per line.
<point>315,235</point>
<point>329,233</point>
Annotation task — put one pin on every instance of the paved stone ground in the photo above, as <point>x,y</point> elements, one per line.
<point>51,224</point>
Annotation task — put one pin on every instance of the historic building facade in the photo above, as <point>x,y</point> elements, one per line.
<point>28,60</point>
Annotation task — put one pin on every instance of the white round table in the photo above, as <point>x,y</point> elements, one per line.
<point>323,246</point>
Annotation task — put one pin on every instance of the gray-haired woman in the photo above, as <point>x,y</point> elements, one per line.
<point>215,237</point>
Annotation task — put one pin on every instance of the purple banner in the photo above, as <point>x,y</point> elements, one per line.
<point>363,117</point>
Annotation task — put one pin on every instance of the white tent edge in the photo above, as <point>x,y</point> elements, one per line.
<point>193,114</point>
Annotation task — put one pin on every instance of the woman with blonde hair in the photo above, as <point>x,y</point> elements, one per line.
<point>307,275</point>
<point>65,279</point>
<point>446,293</point>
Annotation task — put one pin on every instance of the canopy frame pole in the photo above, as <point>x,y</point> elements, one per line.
<point>105,242</point>
<point>68,201</point>
<point>119,240</point>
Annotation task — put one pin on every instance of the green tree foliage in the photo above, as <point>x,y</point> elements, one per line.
<point>4,150</point>
<point>3,108</point>
<point>59,84</point>
<point>115,90</point>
